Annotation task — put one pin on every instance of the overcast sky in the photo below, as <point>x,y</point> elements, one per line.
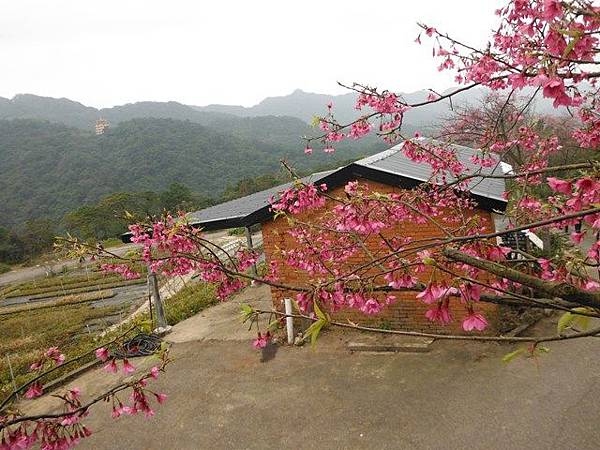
<point>108,52</point>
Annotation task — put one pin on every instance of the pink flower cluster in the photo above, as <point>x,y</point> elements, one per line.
<point>385,103</point>
<point>52,356</point>
<point>54,433</point>
<point>262,340</point>
<point>122,269</point>
<point>337,298</point>
<point>297,200</point>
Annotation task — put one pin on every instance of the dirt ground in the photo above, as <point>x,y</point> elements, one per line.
<point>223,394</point>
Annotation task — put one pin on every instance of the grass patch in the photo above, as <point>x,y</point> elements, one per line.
<point>189,301</point>
<point>112,242</point>
<point>5,268</point>
<point>63,280</point>
<point>239,231</point>
<point>7,290</point>
<point>136,266</point>
<point>67,281</point>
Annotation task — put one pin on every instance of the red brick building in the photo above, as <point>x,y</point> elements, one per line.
<point>388,171</point>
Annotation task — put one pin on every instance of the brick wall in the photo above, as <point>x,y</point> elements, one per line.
<point>407,313</point>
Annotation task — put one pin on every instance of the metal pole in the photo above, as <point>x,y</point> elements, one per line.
<point>161,322</point>
<point>250,248</point>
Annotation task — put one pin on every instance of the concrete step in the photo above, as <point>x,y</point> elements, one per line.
<point>413,346</point>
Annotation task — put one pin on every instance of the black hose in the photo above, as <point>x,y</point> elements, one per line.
<point>139,345</point>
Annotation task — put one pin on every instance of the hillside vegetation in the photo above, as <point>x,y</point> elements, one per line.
<point>49,169</point>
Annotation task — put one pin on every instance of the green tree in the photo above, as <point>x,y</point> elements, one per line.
<point>12,249</point>
<point>177,197</point>
<point>38,236</point>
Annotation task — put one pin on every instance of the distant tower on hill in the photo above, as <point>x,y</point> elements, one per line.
<point>101,126</point>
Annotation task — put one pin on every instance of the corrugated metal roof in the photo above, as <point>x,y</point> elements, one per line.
<point>236,212</point>
<point>244,206</point>
<point>395,162</point>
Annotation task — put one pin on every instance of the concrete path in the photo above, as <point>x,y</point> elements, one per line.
<point>456,397</point>
<point>223,394</point>
<point>222,322</point>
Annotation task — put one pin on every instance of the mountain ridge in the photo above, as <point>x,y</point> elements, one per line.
<point>299,104</point>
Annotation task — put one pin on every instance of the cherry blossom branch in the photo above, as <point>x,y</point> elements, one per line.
<point>440,241</point>
<point>458,337</point>
<point>21,388</point>
<point>552,289</point>
<point>524,300</point>
<point>83,408</point>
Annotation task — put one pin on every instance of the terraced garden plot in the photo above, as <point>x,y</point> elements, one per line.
<point>24,335</point>
<point>59,301</point>
<point>75,328</point>
<point>88,288</point>
<point>66,285</point>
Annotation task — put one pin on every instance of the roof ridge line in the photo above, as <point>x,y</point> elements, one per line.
<point>381,155</point>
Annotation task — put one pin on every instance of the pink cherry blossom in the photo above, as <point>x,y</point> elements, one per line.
<point>128,369</point>
<point>440,314</point>
<point>530,203</point>
<point>161,398</point>
<point>557,185</point>
<point>371,307</point>
<point>102,354</point>
<point>262,340</point>
<point>124,270</point>
<point>55,354</point>
<point>75,392</point>
<point>591,285</point>
<point>36,366</point>
<point>154,372</point>
<point>111,367</point>
<point>35,390</point>
<point>470,292</point>
<point>552,9</point>
<point>474,321</point>
<point>432,293</point>
<point>577,238</point>
<point>399,281</point>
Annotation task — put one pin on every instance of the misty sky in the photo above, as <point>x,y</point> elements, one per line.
<point>109,52</point>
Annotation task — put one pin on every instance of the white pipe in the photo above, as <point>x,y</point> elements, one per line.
<point>535,239</point>
<point>289,321</point>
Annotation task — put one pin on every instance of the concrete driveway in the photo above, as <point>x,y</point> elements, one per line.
<point>459,396</point>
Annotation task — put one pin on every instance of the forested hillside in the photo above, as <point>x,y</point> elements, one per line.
<point>50,169</point>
